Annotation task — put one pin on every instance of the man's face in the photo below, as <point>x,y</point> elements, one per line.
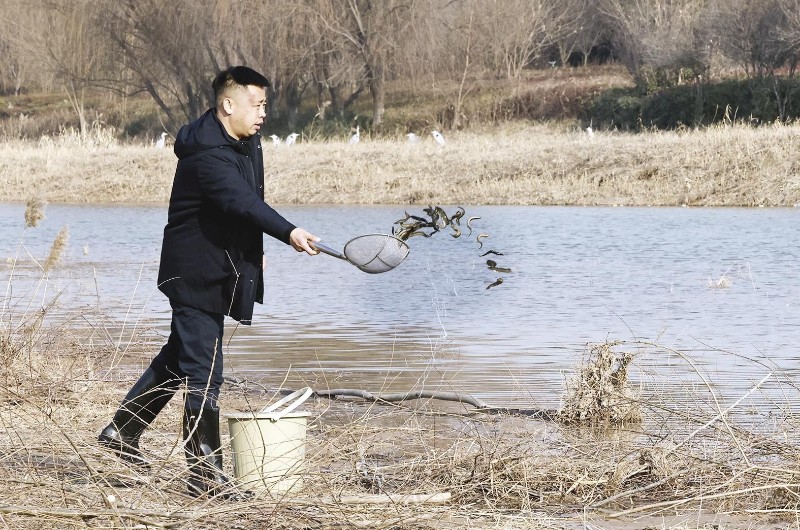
<point>247,111</point>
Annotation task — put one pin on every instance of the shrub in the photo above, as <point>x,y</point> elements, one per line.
<point>751,100</point>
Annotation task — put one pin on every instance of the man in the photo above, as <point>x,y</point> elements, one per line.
<point>211,266</point>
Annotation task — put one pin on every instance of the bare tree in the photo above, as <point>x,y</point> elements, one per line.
<point>335,69</point>
<point>17,55</point>
<point>657,39</point>
<point>295,49</point>
<point>516,32</point>
<point>166,50</point>
<point>590,29</point>
<point>761,36</point>
<point>370,31</point>
<point>280,46</point>
<point>757,34</point>
<point>790,32</point>
<point>70,48</point>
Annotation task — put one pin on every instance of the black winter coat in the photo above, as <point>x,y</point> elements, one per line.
<point>211,257</point>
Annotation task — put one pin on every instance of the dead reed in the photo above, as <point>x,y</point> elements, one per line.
<point>34,212</point>
<point>57,249</point>
<point>555,164</point>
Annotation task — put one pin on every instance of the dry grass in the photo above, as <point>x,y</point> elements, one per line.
<point>618,457</point>
<point>733,165</point>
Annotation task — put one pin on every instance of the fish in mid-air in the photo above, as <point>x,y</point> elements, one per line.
<point>495,283</point>
<point>493,266</point>
<point>469,223</point>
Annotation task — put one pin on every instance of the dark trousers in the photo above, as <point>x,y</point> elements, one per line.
<point>193,353</point>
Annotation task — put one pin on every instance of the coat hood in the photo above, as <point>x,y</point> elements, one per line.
<point>207,132</point>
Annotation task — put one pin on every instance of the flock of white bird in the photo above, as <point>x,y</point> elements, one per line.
<point>437,137</point>
<point>292,138</point>
<point>356,138</point>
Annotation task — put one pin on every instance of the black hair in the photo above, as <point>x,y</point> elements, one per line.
<point>239,75</point>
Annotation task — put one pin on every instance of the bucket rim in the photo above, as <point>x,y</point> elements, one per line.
<point>265,416</point>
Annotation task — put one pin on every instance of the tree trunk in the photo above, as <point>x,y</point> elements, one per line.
<point>336,99</point>
<point>294,96</point>
<point>376,88</point>
<point>274,97</point>
<point>375,82</point>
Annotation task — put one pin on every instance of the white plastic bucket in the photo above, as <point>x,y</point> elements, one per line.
<point>269,446</point>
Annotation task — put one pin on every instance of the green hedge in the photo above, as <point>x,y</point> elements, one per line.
<point>750,100</point>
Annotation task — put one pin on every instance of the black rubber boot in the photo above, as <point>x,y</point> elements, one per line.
<point>140,407</point>
<point>204,455</point>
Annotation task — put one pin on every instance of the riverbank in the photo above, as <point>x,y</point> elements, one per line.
<point>520,165</point>
<point>607,459</point>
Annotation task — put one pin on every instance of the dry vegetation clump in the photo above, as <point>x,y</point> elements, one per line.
<point>599,393</point>
<point>726,165</point>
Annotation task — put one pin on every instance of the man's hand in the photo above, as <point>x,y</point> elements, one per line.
<point>301,240</point>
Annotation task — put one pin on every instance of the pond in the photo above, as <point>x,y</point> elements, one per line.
<point>700,294</point>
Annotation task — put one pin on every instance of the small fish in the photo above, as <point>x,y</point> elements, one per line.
<point>492,252</point>
<point>404,233</point>
<point>408,216</point>
<point>434,222</point>
<point>413,225</point>
<point>497,282</point>
<point>404,219</point>
<point>469,223</point>
<point>411,230</point>
<point>443,219</point>
<point>493,266</point>
<point>456,217</point>
<point>478,239</point>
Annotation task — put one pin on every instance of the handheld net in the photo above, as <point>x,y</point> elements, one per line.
<point>376,253</point>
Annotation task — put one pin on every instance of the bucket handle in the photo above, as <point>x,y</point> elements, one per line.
<point>298,395</point>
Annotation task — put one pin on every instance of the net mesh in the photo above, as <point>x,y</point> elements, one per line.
<point>376,253</point>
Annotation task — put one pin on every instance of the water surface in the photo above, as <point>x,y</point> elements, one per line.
<point>718,287</point>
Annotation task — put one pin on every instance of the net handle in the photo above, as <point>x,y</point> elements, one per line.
<point>328,250</point>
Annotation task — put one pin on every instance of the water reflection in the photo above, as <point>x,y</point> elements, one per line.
<point>578,275</point>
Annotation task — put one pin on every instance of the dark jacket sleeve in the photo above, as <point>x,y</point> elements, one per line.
<point>222,183</point>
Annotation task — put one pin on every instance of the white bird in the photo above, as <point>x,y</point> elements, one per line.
<point>412,138</point>
<point>438,137</point>
<point>356,137</point>
<point>589,132</point>
<point>291,139</point>
<point>161,142</point>
<point>276,141</point>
